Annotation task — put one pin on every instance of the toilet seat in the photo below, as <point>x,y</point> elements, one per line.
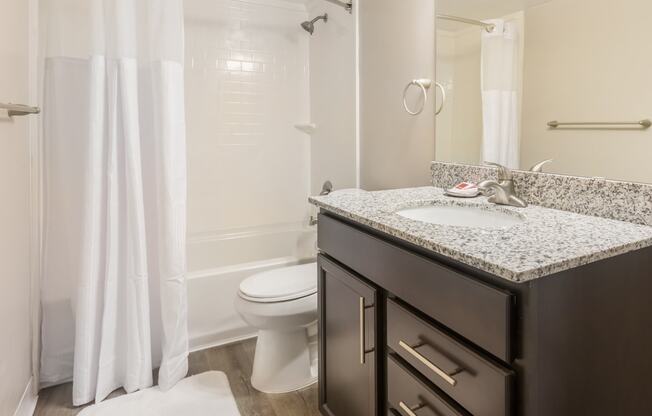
<point>280,285</point>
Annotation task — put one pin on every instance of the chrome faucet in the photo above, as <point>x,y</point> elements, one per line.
<point>503,190</point>
<point>326,189</point>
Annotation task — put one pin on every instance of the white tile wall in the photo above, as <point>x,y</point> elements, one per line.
<point>332,97</point>
<point>246,86</point>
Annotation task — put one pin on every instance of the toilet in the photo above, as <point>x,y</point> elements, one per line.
<point>282,304</point>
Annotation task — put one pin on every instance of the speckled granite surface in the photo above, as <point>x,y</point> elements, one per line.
<point>547,241</point>
<point>625,201</point>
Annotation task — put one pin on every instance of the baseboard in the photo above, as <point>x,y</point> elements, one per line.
<point>27,403</point>
<point>206,342</point>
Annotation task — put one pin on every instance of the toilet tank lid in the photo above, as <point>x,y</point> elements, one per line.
<point>285,283</point>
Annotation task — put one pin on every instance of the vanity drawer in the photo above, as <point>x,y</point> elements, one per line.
<point>478,312</point>
<point>404,389</point>
<point>480,385</point>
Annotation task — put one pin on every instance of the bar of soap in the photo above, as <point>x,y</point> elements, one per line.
<point>464,190</point>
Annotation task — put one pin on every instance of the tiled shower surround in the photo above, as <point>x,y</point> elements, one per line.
<point>247,85</point>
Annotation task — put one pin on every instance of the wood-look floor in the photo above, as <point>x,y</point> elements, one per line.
<point>236,361</point>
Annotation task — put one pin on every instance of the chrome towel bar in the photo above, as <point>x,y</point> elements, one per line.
<point>644,124</point>
<point>19,109</point>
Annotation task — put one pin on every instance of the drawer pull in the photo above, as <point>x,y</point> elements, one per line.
<point>410,411</point>
<point>363,342</point>
<point>441,373</point>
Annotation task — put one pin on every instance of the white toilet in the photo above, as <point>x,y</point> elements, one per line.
<point>282,305</point>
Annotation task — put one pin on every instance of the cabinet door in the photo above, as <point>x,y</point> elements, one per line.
<point>347,341</point>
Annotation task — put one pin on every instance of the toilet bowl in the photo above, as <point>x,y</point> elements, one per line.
<point>282,305</point>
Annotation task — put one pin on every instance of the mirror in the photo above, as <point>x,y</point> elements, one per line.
<point>511,69</point>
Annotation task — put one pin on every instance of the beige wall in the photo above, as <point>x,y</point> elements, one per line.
<point>15,326</point>
<point>588,60</point>
<point>332,97</point>
<point>396,45</point>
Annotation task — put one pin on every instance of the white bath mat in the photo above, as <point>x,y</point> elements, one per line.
<point>206,394</point>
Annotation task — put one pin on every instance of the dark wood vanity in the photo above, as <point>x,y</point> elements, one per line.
<point>405,331</point>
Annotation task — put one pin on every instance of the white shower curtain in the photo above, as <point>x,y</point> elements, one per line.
<point>113,289</point>
<point>501,67</point>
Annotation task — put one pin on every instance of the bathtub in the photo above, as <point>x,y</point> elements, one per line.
<point>218,262</point>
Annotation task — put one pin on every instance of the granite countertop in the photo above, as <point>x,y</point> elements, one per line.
<point>547,241</point>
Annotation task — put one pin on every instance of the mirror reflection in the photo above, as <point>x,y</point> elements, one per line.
<point>526,81</point>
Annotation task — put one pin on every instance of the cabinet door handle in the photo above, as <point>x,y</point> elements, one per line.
<point>410,411</point>
<point>363,342</point>
<point>362,331</point>
<point>441,373</point>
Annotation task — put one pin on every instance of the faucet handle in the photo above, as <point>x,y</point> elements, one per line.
<point>326,188</point>
<point>504,173</point>
<point>539,166</point>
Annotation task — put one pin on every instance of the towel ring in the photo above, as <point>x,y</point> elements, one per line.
<point>443,98</point>
<point>422,83</point>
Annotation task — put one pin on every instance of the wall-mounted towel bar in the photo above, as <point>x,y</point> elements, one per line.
<point>644,124</point>
<point>19,109</point>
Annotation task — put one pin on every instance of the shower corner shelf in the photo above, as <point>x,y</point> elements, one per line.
<point>308,128</point>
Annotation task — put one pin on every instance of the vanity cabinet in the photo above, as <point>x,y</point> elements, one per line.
<point>348,364</point>
<point>408,332</point>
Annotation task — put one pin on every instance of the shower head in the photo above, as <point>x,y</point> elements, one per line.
<point>310,26</point>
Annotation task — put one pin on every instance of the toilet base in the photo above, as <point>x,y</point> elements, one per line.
<point>283,362</point>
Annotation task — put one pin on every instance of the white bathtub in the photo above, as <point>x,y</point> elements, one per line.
<point>218,262</point>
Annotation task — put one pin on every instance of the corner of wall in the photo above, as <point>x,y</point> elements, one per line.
<point>27,404</point>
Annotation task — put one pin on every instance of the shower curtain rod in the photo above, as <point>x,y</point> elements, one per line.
<point>489,27</point>
<point>348,6</point>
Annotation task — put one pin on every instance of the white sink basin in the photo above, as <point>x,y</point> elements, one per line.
<point>462,216</point>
